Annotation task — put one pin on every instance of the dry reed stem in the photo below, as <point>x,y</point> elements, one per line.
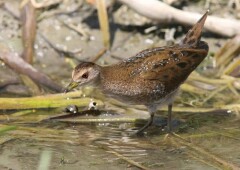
<point>130,161</point>
<point>103,20</point>
<point>205,154</point>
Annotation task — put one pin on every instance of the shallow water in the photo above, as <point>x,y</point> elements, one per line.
<point>202,140</point>
<point>110,145</point>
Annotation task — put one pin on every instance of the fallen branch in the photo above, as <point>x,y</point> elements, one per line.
<point>13,60</point>
<point>9,82</point>
<point>164,13</point>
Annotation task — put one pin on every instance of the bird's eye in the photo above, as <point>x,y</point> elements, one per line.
<point>85,75</point>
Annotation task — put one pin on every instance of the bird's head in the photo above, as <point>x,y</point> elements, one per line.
<point>85,73</point>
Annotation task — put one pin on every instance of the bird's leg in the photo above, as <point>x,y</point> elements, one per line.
<point>169,125</point>
<point>140,131</point>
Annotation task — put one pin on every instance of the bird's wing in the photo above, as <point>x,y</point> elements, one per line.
<point>172,64</point>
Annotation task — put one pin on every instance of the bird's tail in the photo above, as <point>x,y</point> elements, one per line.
<point>194,35</point>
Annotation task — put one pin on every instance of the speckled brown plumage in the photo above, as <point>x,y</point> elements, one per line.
<point>151,74</point>
<point>151,77</point>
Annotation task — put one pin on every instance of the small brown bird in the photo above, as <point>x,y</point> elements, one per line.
<point>151,77</point>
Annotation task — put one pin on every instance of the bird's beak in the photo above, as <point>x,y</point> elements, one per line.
<point>71,86</point>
